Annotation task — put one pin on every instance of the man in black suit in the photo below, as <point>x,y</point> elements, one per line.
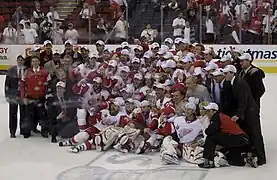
<point>253,76</point>
<point>226,94</point>
<point>246,112</point>
<point>12,95</point>
<point>59,109</point>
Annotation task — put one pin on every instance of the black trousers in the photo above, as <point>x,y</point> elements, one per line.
<point>35,114</point>
<point>52,115</point>
<point>236,144</point>
<point>253,130</point>
<point>13,109</point>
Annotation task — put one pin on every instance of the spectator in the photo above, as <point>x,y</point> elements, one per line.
<point>25,19</point>
<point>9,34</point>
<point>274,31</point>
<point>178,26</point>
<point>149,33</point>
<point>52,16</point>
<point>116,11</point>
<point>38,14</point>
<point>46,29</point>
<point>57,35</point>
<point>187,32</point>
<point>30,34</point>
<point>72,34</point>
<point>20,39</point>
<point>34,25</point>
<point>267,21</point>
<point>102,28</point>
<point>18,15</point>
<point>86,12</point>
<point>210,32</point>
<point>121,30</point>
<point>173,5</point>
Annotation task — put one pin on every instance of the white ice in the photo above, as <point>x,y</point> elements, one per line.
<point>36,158</point>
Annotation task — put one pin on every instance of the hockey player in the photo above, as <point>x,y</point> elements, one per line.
<point>88,66</point>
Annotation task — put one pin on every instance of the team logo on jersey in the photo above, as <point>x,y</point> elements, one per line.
<point>184,132</point>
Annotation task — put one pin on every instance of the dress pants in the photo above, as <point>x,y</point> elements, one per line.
<point>236,145</point>
<point>35,113</point>
<point>13,109</point>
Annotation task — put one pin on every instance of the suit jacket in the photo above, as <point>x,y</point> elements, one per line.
<point>254,78</point>
<point>245,106</point>
<point>227,101</point>
<point>12,83</point>
<point>55,107</point>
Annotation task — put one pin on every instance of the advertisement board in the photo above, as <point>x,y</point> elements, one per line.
<point>265,56</point>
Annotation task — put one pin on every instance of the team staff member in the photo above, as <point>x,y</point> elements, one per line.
<point>33,88</point>
<point>12,95</point>
<point>246,112</point>
<point>223,131</point>
<point>253,76</point>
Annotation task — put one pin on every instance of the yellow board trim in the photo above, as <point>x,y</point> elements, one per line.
<point>266,69</point>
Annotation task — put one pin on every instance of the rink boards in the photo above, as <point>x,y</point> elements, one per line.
<point>265,56</point>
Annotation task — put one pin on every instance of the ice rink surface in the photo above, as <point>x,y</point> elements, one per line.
<point>36,158</point>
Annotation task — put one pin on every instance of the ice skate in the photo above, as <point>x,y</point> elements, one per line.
<point>74,149</point>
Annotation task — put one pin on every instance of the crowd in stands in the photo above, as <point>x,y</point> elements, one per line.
<point>227,21</point>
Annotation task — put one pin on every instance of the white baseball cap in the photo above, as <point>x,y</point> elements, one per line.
<point>193,100</point>
<point>138,76</point>
<point>113,63</point>
<point>68,42</point>
<point>60,84</point>
<point>177,40</point>
<point>147,54</point>
<point>93,55</point>
<point>226,58</point>
<point>169,64</point>
<point>124,44</point>
<point>85,47</point>
<point>125,69</point>
<point>35,47</point>
<point>138,47</point>
<point>211,106</point>
<point>148,76</point>
<point>137,60</point>
<point>207,51</point>
<point>155,45</point>
<point>168,55</point>
<point>245,56</point>
<point>211,66</point>
<point>169,40</point>
<point>190,105</point>
<point>98,80</point>
<point>100,42</point>
<point>47,42</point>
<point>185,41</point>
<point>56,51</point>
<point>144,103</point>
<point>186,59</point>
<point>125,52</point>
<point>230,68</point>
<point>217,72</point>
<point>162,51</point>
<point>159,86</point>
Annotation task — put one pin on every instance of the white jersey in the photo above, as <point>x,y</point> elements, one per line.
<point>187,131</point>
<point>84,70</point>
<point>161,105</point>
